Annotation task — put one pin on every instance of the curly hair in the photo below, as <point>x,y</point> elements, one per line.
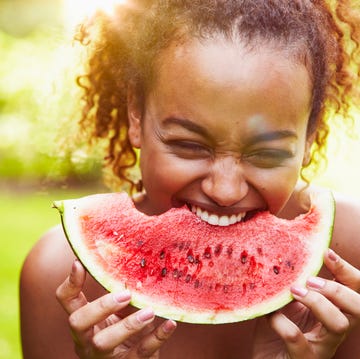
<point>123,49</point>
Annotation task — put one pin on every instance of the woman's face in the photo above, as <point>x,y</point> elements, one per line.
<point>223,130</point>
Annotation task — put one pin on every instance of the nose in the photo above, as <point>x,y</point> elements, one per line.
<point>225,183</point>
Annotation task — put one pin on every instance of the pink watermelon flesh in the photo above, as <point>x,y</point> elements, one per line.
<point>190,270</point>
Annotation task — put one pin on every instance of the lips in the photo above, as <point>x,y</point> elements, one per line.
<point>217,220</point>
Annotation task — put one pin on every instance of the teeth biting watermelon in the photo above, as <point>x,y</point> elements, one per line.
<point>192,271</point>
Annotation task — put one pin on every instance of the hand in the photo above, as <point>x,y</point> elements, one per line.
<point>318,321</point>
<point>100,332</point>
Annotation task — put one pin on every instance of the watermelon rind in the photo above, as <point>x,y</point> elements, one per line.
<point>320,240</point>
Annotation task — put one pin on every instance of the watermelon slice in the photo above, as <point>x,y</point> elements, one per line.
<point>192,271</point>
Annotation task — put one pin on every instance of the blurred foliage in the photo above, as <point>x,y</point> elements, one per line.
<point>38,99</point>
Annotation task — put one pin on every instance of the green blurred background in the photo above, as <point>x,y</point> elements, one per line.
<point>38,101</point>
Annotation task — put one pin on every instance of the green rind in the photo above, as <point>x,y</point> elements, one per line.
<point>327,206</point>
<point>60,206</point>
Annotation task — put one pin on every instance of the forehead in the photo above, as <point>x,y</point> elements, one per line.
<point>219,68</point>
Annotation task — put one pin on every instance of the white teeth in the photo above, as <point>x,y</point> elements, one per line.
<point>224,221</point>
<point>233,219</point>
<point>215,220</point>
<point>240,216</point>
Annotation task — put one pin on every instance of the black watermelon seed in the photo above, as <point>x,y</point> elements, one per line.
<point>163,272</point>
<point>162,254</point>
<point>188,278</point>
<point>190,258</point>
<point>143,262</point>
<point>276,269</point>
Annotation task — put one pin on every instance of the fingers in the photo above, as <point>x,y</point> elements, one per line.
<point>333,299</point>
<point>114,335</point>
<point>296,343</point>
<point>335,304</point>
<point>69,293</point>
<point>95,312</point>
<point>333,319</point>
<point>153,342</point>
<point>344,298</point>
<point>333,309</point>
<point>341,294</point>
<point>343,272</point>
<point>97,329</point>
<point>322,338</point>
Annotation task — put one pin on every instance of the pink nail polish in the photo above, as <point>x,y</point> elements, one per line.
<point>315,282</point>
<point>299,291</point>
<point>74,266</point>
<point>145,314</point>
<point>332,255</point>
<point>122,296</point>
<point>169,326</point>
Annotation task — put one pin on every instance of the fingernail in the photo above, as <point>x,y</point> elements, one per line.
<point>332,255</point>
<point>299,291</point>
<point>122,297</point>
<point>145,314</point>
<point>74,266</point>
<point>169,326</point>
<point>315,282</point>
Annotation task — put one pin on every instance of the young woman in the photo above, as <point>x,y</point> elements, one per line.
<point>229,102</point>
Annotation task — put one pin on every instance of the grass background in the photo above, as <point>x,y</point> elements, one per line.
<point>24,217</point>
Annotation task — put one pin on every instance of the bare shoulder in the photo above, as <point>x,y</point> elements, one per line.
<point>346,235</point>
<point>45,268</point>
<point>50,258</point>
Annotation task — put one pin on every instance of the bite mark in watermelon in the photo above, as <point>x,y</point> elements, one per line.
<point>189,270</point>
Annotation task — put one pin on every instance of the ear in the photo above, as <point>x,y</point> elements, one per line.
<point>134,111</point>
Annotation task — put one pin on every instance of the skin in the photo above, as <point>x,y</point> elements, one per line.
<point>214,134</point>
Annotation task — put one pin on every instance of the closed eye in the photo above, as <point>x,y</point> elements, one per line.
<point>188,149</point>
<point>268,158</point>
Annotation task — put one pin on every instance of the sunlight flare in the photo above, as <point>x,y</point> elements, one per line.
<point>75,12</point>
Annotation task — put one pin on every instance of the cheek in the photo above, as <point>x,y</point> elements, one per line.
<point>168,174</point>
<point>277,186</point>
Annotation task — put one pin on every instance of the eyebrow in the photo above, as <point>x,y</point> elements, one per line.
<point>187,124</point>
<point>262,137</point>
<point>272,136</point>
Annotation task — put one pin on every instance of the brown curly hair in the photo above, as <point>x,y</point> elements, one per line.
<point>123,48</point>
